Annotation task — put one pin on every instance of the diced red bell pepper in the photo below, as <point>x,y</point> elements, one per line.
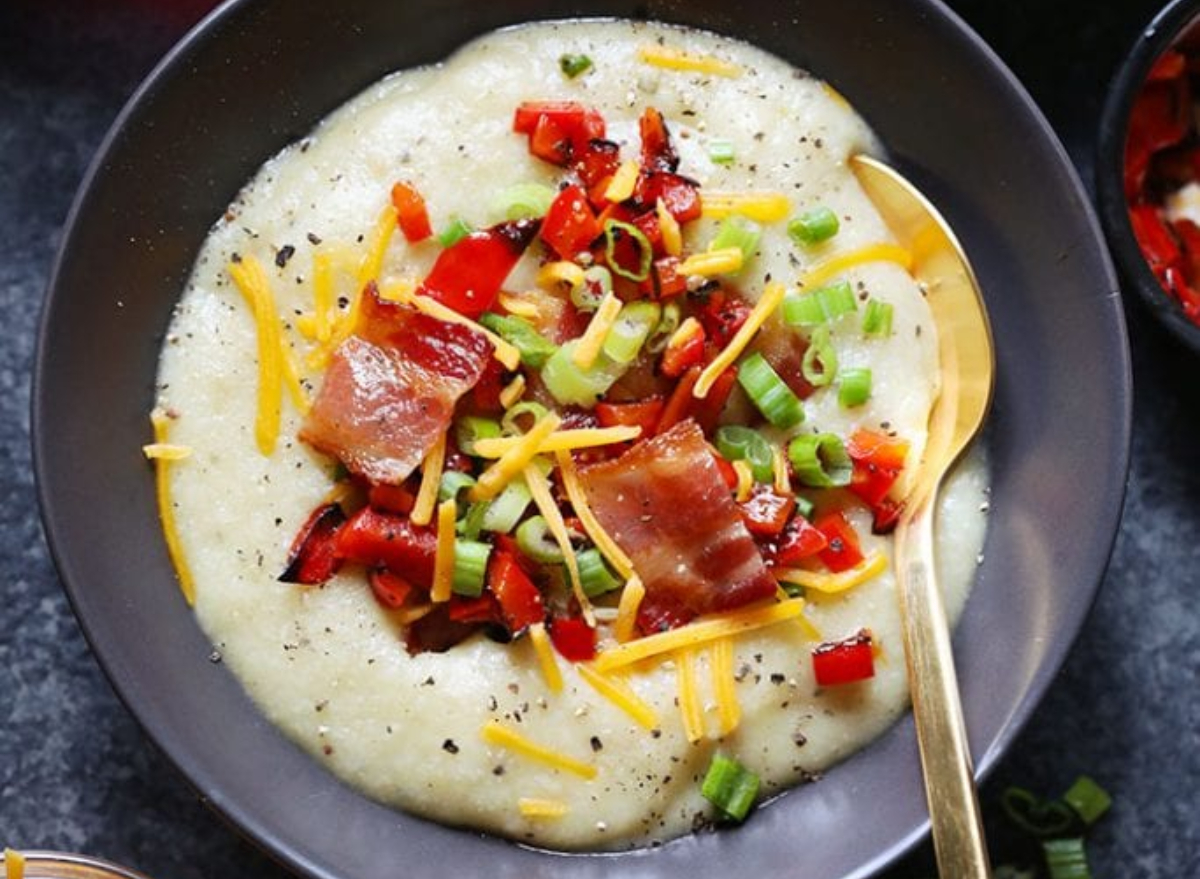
<point>573,638</point>
<point>411,214</point>
<point>596,166</point>
<point>642,413</point>
<point>390,589</point>
<point>313,557</point>
<point>842,551</point>
<point>707,410</point>
<point>468,274</point>
<point>391,498</point>
<point>558,130</point>
<point>1158,119</point>
<point>886,516</point>
<point>481,609</point>
<point>680,402</point>
<point>801,540</point>
<point>570,225</point>
<point>380,539</point>
<point>723,315</point>
<point>765,512</point>
<point>845,661</point>
<point>728,474</point>
<point>1171,64</point>
<point>658,153</point>
<point>486,393</point>
<point>665,281</point>
<point>878,460</point>
<point>680,196</point>
<point>520,601</point>
<point>1154,239</point>
<point>682,353</point>
<point>1187,234</point>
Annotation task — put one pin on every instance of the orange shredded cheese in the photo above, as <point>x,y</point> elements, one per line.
<point>545,657</point>
<point>559,440</point>
<point>734,622</point>
<point>677,59</point>
<point>518,305</point>
<point>250,278</point>
<point>725,261</point>
<point>620,187</point>
<point>513,391</point>
<point>166,452</point>
<point>554,274</point>
<point>539,488</point>
<point>745,480</point>
<point>765,207</point>
<point>772,295</point>
<point>608,547</point>
<point>672,235</point>
<point>779,468</point>
<point>322,269</point>
<point>161,423</point>
<point>627,610</point>
<point>496,734</point>
<point>587,349</point>
<point>508,355</point>
<point>372,260</point>
<point>617,690</point>
<point>834,265</point>
<point>831,584</point>
<point>514,459</point>
<point>689,700</point>
<point>541,807</point>
<point>443,560</point>
<point>431,480</point>
<point>729,711</point>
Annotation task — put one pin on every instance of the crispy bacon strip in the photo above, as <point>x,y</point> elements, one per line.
<point>664,502</point>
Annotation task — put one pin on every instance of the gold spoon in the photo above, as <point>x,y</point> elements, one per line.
<point>967,369</point>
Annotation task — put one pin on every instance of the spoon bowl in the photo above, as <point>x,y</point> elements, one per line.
<point>941,267</point>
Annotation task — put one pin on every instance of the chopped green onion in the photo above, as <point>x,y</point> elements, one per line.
<point>574,64</point>
<point>1066,859</point>
<point>738,443</point>
<point>629,332</point>
<point>597,281</point>
<point>819,224</point>
<point>510,425</point>
<point>820,460</point>
<point>535,540</point>
<point>523,201</point>
<point>854,387</point>
<point>1034,815</point>
<point>470,428</point>
<point>534,347</point>
<point>730,787</point>
<point>507,508</point>
<point>470,525</point>
<point>456,230</point>
<point>667,325</point>
<point>1088,799</point>
<point>470,567</point>
<point>820,362</point>
<point>804,507</point>
<point>738,232</point>
<point>877,319</point>
<point>594,575</point>
<point>572,386</point>
<point>774,399</point>
<point>613,230</point>
<point>720,152</point>
<point>819,306</point>
<point>453,483</point>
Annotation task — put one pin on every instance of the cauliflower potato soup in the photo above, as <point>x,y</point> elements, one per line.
<point>530,436</point>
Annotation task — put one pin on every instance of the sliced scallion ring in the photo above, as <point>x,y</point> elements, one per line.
<point>854,387</point>
<point>594,575</point>
<point>535,540</point>
<point>820,460</point>
<point>523,201</point>
<point>535,348</point>
<point>820,362</point>
<point>769,393</point>
<point>453,483</point>
<point>510,424</point>
<point>629,332</point>
<point>470,428</point>
<point>507,508</point>
<point>470,567</point>
<point>738,443</point>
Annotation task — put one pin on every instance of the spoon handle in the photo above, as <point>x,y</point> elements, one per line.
<point>958,838</point>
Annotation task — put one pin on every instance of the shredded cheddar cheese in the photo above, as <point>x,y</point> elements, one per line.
<point>250,278</point>
<point>608,547</point>
<point>513,391</point>
<point>558,441</point>
<point>617,690</point>
<point>627,610</point>
<point>539,488</point>
<point>322,295</point>
<point>689,700</point>
<point>545,657</point>
<point>587,349</point>
<point>518,305</point>
<point>540,807</point>
<point>161,423</point>
<point>734,622</point>
<point>831,584</point>
<point>496,734</point>
<point>729,711</point>
<point>745,480</point>
<point>555,274</point>
<point>443,560</point>
<point>766,305</point>
<point>834,265</point>
<point>765,207</point>
<point>684,332</point>
<point>508,354</point>
<point>677,59</point>
<point>431,480</point>
<point>779,468</point>
<point>372,260</point>
<point>668,226</point>
<point>514,459</point>
<point>409,615</point>
<point>166,452</point>
<point>725,261</point>
<point>620,187</point>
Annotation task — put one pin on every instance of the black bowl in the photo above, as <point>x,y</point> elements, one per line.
<point>1158,35</point>
<point>257,75</point>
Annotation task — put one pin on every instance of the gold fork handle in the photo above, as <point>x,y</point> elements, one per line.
<point>958,838</point>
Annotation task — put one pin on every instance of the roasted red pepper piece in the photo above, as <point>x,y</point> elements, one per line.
<point>468,274</point>
<point>482,609</point>
<point>1171,64</point>
<point>723,315</point>
<point>1158,119</point>
<point>313,557</point>
<point>596,166</point>
<point>390,589</point>
<point>558,130</point>
<point>573,638</point>
<point>391,498</point>
<point>380,539</point>
<point>642,413</point>
<point>878,460</point>
<point>1154,239</point>
<point>844,662</point>
<point>800,540</point>
<point>765,512</point>
<point>520,601</point>
<point>570,225</point>
<point>665,281</point>
<point>658,153</point>
<point>680,402</point>
<point>680,196</point>
<point>707,410</point>
<point>411,214</point>
<point>842,551</point>
<point>728,474</point>
<point>682,353</point>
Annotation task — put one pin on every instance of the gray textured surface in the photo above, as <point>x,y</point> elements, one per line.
<point>75,771</point>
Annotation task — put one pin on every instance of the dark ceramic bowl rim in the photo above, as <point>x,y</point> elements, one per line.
<point>1154,39</point>
<point>363,839</point>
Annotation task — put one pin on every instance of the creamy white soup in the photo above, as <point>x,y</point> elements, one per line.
<point>697,263</point>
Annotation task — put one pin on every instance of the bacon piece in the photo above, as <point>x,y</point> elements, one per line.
<point>665,503</point>
<point>390,390</point>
